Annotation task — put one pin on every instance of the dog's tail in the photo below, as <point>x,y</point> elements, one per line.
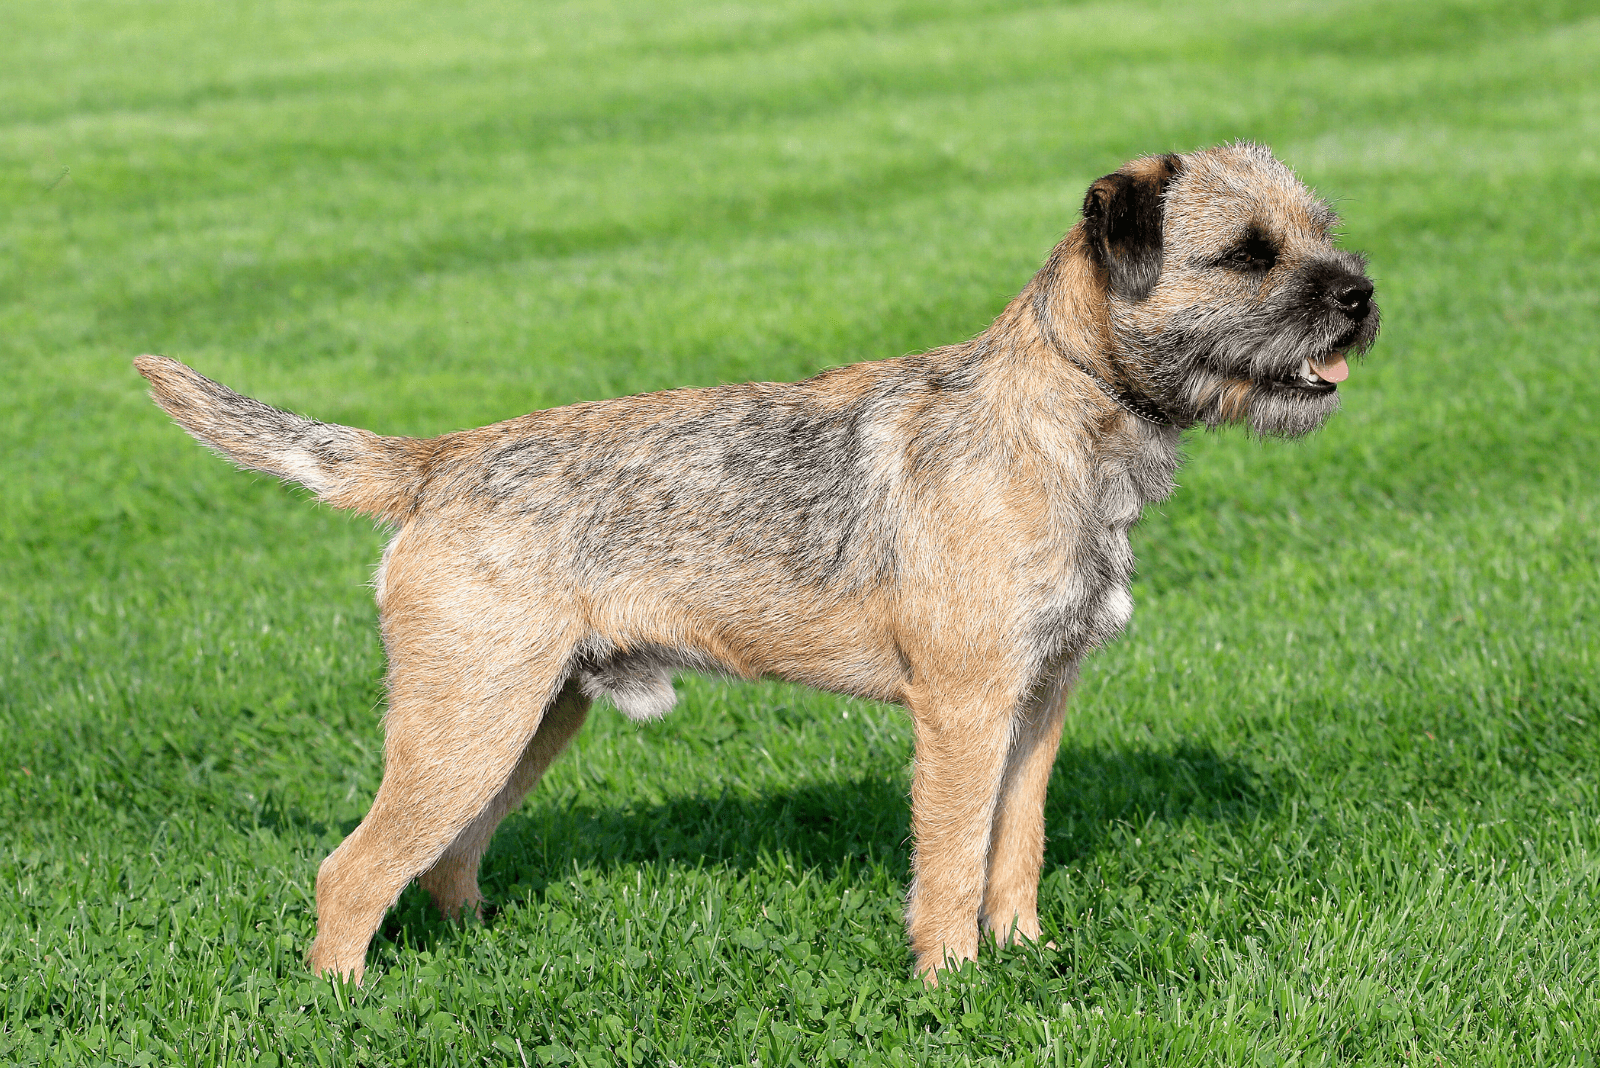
<point>344,466</point>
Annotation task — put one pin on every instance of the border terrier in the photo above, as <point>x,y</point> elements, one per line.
<point>947,531</point>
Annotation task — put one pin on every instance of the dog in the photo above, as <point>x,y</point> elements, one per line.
<point>947,531</point>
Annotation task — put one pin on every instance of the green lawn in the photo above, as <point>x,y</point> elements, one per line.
<point>1334,799</point>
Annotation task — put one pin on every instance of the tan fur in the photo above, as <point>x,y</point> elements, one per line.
<point>946,531</point>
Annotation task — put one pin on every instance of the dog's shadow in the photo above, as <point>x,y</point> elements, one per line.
<point>830,825</point>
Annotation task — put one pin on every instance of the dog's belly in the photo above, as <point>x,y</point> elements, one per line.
<point>638,677</point>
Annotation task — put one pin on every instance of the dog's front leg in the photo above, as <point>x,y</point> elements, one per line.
<point>1016,843</point>
<point>960,758</point>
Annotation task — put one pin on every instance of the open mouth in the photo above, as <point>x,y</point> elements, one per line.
<point>1321,376</point>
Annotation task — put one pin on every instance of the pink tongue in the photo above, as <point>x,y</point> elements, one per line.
<point>1335,371</point>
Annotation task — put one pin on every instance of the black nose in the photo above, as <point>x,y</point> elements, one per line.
<point>1352,296</point>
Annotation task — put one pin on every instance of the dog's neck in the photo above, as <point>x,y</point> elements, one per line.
<point>1134,403</point>
<point>1068,306</point>
<point>1042,370</point>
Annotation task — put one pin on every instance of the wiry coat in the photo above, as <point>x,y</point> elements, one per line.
<point>948,531</point>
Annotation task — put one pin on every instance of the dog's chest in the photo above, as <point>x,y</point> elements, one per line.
<point>1090,602</point>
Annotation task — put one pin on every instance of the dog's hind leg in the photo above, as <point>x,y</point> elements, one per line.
<point>467,694</point>
<point>453,879</point>
<point>1016,842</point>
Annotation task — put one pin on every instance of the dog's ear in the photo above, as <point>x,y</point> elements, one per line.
<point>1122,221</point>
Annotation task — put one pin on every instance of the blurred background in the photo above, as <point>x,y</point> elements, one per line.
<point>1347,745</point>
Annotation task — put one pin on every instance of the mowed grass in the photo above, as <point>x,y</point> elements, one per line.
<point>1332,800</point>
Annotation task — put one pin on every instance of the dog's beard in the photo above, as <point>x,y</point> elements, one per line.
<point>1268,409</point>
<point>1219,367</point>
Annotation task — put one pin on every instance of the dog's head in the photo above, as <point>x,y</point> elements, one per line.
<point>1225,289</point>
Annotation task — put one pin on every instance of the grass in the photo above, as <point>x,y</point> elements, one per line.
<point>1332,800</point>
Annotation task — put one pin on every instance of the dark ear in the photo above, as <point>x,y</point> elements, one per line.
<point>1122,221</point>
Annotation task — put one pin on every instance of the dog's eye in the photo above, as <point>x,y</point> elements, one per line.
<point>1256,254</point>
